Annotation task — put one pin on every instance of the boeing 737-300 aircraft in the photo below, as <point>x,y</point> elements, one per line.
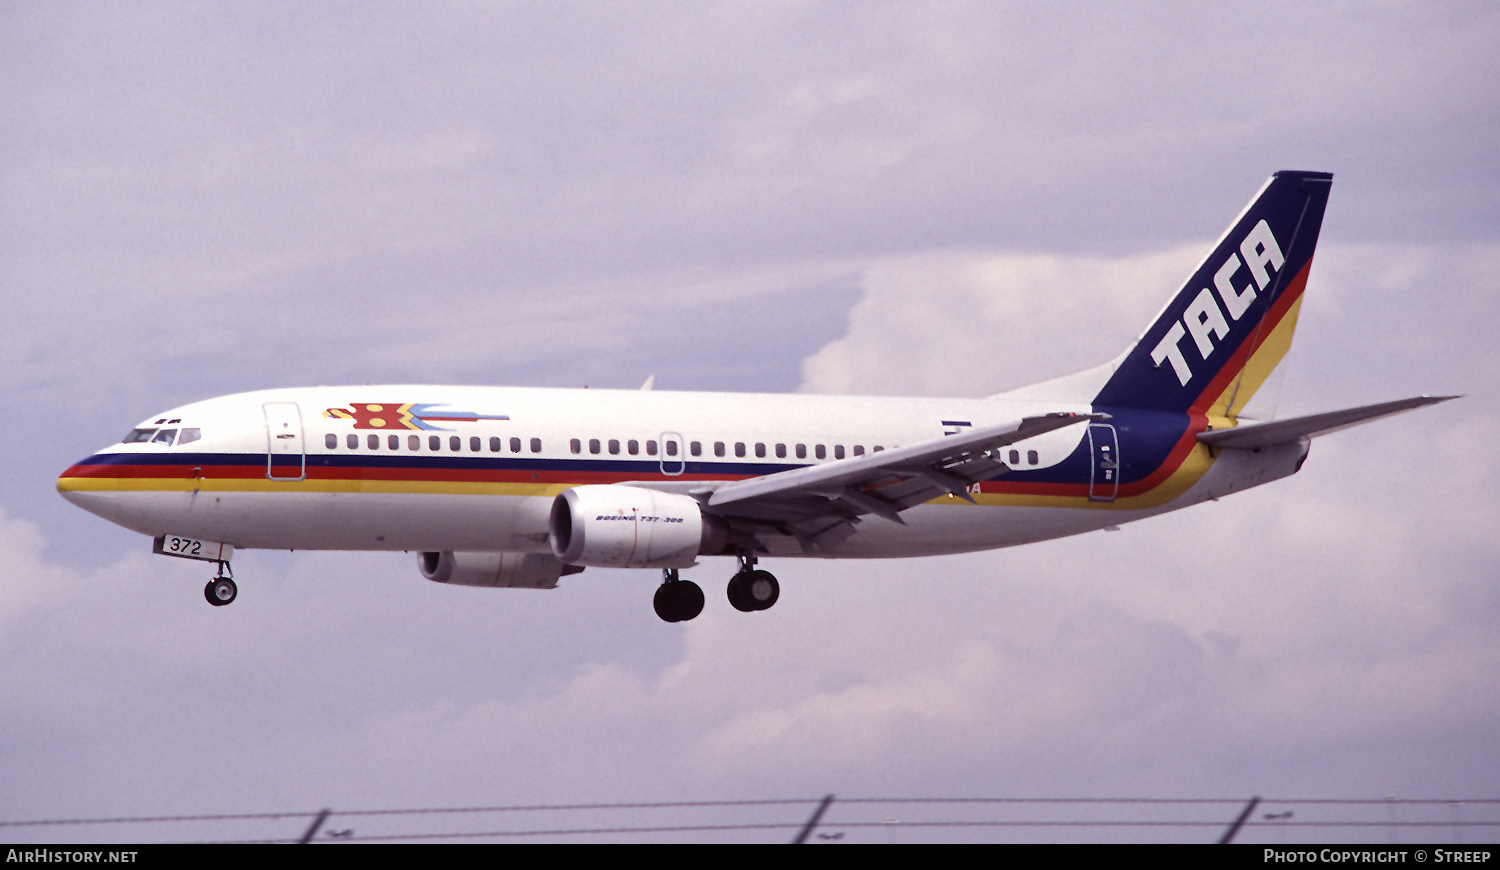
<point>510,486</point>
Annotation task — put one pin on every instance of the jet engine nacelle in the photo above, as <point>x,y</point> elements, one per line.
<point>612,526</point>
<point>517,570</point>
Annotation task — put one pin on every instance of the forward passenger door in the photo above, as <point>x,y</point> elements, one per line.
<point>285,458</point>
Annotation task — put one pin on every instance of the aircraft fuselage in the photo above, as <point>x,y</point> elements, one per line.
<point>477,468</point>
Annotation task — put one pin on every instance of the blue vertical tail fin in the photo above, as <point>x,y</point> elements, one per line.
<point>1227,328</point>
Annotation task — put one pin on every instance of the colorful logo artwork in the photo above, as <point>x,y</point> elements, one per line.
<point>389,415</point>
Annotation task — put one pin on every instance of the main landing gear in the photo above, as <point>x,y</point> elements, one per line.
<point>679,600</point>
<point>221,590</point>
<point>751,589</point>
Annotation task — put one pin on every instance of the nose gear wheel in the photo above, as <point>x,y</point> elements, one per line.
<point>220,591</point>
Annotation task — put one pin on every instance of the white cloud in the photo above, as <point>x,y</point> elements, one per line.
<point>973,323</point>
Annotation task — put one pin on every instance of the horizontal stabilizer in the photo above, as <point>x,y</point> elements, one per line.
<point>1289,431</point>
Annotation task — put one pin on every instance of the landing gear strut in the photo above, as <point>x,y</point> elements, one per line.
<point>677,600</point>
<point>221,590</point>
<point>750,589</point>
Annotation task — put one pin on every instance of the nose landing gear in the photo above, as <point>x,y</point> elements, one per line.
<point>221,590</point>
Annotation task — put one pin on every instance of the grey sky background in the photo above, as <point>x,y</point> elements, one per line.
<point>888,198</point>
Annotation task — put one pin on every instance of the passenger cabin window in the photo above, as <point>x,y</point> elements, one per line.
<point>455,443</point>
<point>780,451</point>
<point>718,448</point>
<point>594,446</point>
<point>614,447</point>
<point>536,445</point>
<point>671,448</point>
<point>1015,457</point>
<point>838,451</point>
<point>820,452</point>
<point>351,441</point>
<point>373,441</point>
<point>515,445</point>
<point>633,447</point>
<point>1032,458</point>
<point>801,451</point>
<point>393,442</point>
<point>188,436</point>
<point>650,448</point>
<point>414,442</point>
<point>434,442</point>
<point>331,441</point>
<point>138,435</point>
<point>739,448</point>
<point>859,450</point>
<point>695,448</point>
<point>473,444</point>
<point>575,446</point>
<point>495,445</point>
<point>760,450</point>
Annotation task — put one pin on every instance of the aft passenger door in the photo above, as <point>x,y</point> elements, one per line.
<point>285,459</point>
<point>1104,480</point>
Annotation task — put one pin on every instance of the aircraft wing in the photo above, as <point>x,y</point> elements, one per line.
<point>1257,435</point>
<point>820,504</point>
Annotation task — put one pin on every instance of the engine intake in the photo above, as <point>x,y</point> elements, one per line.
<point>613,526</point>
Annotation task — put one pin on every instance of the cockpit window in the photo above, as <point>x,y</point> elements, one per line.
<point>188,436</point>
<point>165,436</point>
<point>138,435</point>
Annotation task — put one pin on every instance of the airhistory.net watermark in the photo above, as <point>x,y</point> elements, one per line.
<point>67,856</point>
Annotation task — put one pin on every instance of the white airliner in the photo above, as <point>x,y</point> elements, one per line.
<point>511,486</point>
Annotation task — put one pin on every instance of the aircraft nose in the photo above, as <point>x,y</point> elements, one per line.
<point>75,486</point>
<point>93,502</point>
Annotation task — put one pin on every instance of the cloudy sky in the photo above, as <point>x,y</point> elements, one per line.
<point>872,198</point>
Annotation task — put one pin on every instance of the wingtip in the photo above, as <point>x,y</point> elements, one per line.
<point>1424,401</point>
